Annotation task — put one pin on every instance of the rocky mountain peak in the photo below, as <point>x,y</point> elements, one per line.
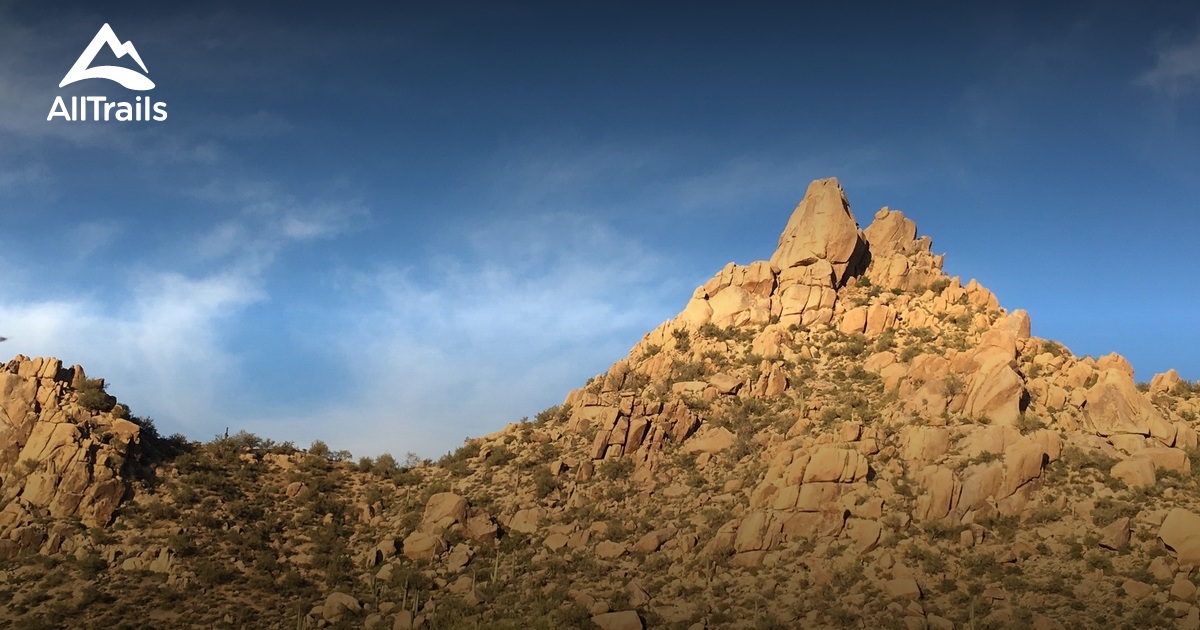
<point>840,436</point>
<point>820,251</point>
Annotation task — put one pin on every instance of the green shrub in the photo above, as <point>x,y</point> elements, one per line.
<point>543,482</point>
<point>734,333</point>
<point>92,396</point>
<point>557,413</point>
<point>319,448</point>
<point>618,468</point>
<point>1027,423</point>
<point>683,341</point>
<point>386,465</point>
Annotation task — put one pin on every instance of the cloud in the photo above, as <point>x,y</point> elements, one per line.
<point>163,332</point>
<point>160,348</point>
<point>480,336</point>
<point>1176,69</point>
<point>268,218</point>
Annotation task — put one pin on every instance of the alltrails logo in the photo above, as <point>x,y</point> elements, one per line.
<point>143,108</point>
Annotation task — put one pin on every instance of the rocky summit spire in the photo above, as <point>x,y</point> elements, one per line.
<point>823,228</point>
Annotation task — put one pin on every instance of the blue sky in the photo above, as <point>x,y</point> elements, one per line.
<point>391,226</point>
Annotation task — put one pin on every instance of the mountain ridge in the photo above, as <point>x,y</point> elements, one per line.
<point>841,434</point>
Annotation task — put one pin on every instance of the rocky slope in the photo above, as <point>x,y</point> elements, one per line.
<point>839,436</point>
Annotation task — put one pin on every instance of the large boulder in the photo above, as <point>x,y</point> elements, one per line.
<point>424,546</point>
<point>890,233</point>
<point>1115,406</point>
<point>822,228</point>
<point>444,509</point>
<point>1180,532</point>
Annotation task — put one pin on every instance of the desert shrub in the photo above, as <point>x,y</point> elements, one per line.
<point>911,352</point>
<point>1089,461</point>
<point>730,333</point>
<point>1027,423</point>
<point>1108,510</point>
<point>319,448</point>
<point>386,465</point>
<point>92,396</point>
<point>952,385</point>
<point>500,456</point>
<point>1045,514</point>
<point>636,381</point>
<point>469,450</point>
<point>683,341</point>
<point>686,371</point>
<point>886,340</point>
<point>931,560</point>
<point>91,564</point>
<point>543,482</point>
<point>557,413</point>
<point>617,468</point>
<point>943,530</point>
<point>1005,527</point>
<point>853,346</point>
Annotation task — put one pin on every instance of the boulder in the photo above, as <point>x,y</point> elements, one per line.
<point>725,383</point>
<point>423,546</point>
<point>444,508</point>
<point>622,620</point>
<point>655,539</point>
<point>711,441</point>
<point>608,550</point>
<point>1114,405</point>
<point>1116,534</point>
<point>338,605</point>
<point>1165,382</point>
<point>1135,472</point>
<point>525,521</point>
<point>854,321</point>
<point>890,233</point>
<point>1167,458</point>
<point>902,588</point>
<point>864,534</point>
<point>822,228</point>
<point>1180,532</point>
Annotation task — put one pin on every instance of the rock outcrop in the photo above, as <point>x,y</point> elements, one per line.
<point>64,445</point>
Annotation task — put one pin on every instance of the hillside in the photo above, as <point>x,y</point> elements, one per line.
<point>839,436</point>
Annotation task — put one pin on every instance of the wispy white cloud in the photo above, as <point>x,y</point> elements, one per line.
<point>267,218</point>
<point>1176,69</point>
<point>483,335</point>
<point>161,347</point>
<point>163,336</point>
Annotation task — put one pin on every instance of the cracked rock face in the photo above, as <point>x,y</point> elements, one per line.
<point>58,458</point>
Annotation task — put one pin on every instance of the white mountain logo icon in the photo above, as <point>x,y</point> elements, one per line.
<point>129,78</point>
